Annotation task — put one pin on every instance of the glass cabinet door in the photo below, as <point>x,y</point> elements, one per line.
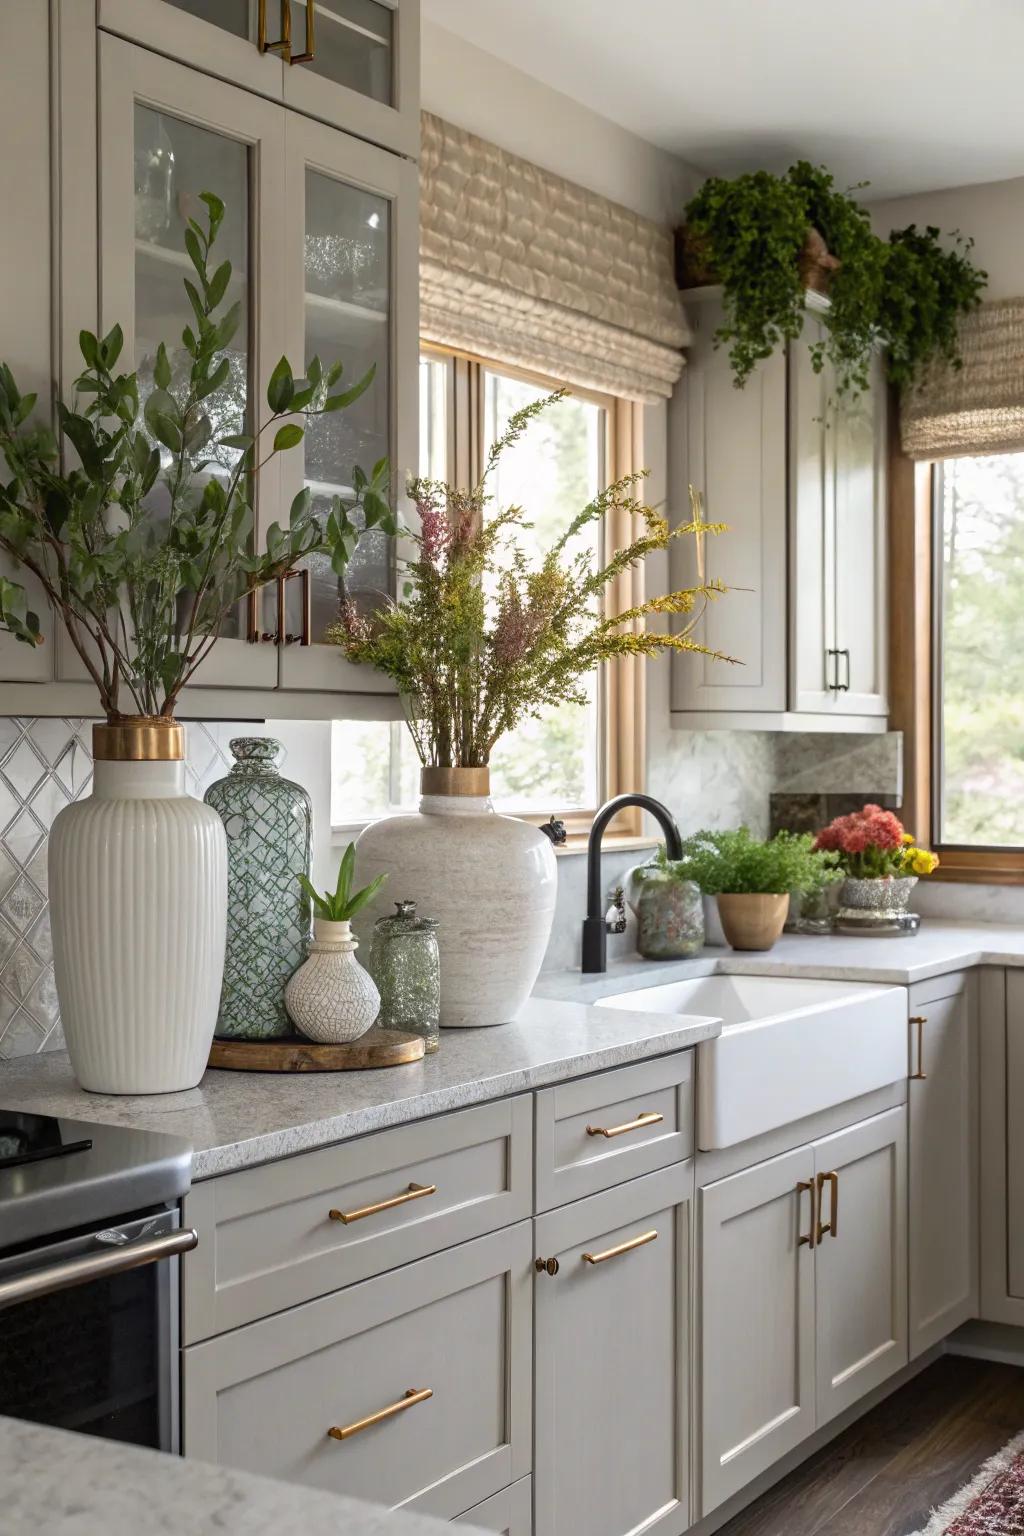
<point>220,37</point>
<point>351,220</point>
<point>166,138</point>
<point>355,63</point>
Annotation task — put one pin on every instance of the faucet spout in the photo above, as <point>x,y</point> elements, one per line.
<point>595,936</point>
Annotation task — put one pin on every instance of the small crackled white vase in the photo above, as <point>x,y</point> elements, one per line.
<point>490,880</point>
<point>138,904</point>
<point>331,999</point>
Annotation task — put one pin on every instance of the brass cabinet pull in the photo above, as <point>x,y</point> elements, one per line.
<point>832,1225</point>
<point>649,1117</point>
<point>283,45</point>
<point>546,1266</point>
<point>411,1398</point>
<point>810,1237</point>
<point>310,53</point>
<point>613,1253</point>
<point>303,637</point>
<point>920,1020</point>
<point>414,1192</point>
<point>267,636</point>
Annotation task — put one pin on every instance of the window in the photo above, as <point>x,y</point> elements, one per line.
<point>979,652</point>
<point>957,647</point>
<point>557,762</point>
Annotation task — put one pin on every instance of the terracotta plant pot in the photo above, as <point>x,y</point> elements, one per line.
<point>753,922</point>
<point>817,264</point>
<point>695,268</point>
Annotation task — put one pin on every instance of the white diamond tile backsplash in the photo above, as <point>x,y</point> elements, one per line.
<point>44,764</point>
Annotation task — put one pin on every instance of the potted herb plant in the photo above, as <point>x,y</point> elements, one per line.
<point>483,638</point>
<point>138,870</point>
<point>880,862</point>
<point>752,879</point>
<point>331,998</point>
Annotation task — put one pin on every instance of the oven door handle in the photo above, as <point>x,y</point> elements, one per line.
<point>95,1266</point>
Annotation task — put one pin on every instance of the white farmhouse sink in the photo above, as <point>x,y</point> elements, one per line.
<point>789,1047</point>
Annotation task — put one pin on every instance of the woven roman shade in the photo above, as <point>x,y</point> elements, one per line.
<point>979,408</point>
<point>521,266</point>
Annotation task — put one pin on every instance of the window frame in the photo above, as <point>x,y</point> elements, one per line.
<point>621,694</point>
<point>915,666</point>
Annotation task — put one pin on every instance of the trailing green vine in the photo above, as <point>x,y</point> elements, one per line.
<point>906,294</point>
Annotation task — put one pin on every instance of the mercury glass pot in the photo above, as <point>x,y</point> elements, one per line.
<point>669,913</point>
<point>405,964</point>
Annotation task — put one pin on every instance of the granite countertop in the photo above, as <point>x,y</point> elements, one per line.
<point>937,949</point>
<point>234,1120</point>
<point>60,1484</point>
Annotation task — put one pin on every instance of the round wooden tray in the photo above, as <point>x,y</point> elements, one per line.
<point>377,1048</point>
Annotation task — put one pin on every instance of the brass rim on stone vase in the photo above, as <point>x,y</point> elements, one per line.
<point>455,781</point>
<point>139,739</point>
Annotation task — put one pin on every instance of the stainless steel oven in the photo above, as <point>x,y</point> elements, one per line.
<point>89,1312</point>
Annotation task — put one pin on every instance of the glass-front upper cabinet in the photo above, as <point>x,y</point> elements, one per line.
<point>352,63</point>
<point>165,138</point>
<point>352,298</point>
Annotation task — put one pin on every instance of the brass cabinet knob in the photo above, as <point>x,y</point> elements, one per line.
<point>546,1266</point>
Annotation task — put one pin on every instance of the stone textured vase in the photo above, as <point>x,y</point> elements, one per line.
<point>752,921</point>
<point>331,999</point>
<point>269,826</point>
<point>876,898</point>
<point>490,880</point>
<point>138,884</point>
<point>669,913</point>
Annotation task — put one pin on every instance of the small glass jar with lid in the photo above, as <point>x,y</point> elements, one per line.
<point>405,963</point>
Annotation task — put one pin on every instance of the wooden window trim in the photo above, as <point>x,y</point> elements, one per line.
<point>622,742</point>
<point>911,649</point>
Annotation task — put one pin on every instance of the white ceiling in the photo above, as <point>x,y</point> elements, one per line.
<point>910,95</point>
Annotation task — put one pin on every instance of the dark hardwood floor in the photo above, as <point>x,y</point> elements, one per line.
<point>883,1475</point>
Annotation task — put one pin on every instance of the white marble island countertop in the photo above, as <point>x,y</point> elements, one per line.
<point>53,1483</point>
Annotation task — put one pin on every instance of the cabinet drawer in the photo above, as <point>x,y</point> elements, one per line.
<point>268,1239</point>
<point>457,1325</point>
<point>509,1513</point>
<point>594,1133</point>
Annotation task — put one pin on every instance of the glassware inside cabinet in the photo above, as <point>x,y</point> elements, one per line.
<point>353,44</point>
<point>174,161</point>
<point>347,319</point>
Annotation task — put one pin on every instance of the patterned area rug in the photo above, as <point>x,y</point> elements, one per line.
<point>991,1504</point>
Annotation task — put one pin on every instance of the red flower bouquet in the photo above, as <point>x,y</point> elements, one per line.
<point>872,845</point>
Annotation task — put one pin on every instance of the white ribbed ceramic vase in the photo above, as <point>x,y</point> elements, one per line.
<point>331,998</point>
<point>138,903</point>
<point>490,880</point>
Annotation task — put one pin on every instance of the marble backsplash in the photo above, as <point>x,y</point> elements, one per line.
<point>714,778</point>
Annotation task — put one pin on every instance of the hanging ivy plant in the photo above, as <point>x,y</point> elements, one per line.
<point>753,228</point>
<point>757,233</point>
<point>927,287</point>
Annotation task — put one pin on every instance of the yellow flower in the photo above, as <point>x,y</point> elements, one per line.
<point>923,862</point>
<point>908,838</point>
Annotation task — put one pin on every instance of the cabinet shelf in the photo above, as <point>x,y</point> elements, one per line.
<point>342,320</point>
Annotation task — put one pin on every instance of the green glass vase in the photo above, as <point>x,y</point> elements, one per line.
<point>269,826</point>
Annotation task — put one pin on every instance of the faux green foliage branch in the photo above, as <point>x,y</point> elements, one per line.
<point>735,863</point>
<point>484,638</point>
<point>342,904</point>
<point>906,293</point>
<point>142,588</point>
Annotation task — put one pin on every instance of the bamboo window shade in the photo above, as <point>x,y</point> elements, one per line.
<point>528,269</point>
<point>978,408</point>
